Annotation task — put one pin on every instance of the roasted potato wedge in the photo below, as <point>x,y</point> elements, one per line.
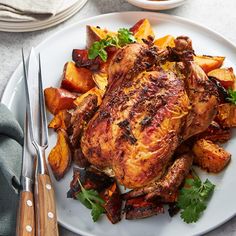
<point>143,30</point>
<point>113,202</point>
<point>93,91</point>
<point>61,120</point>
<point>226,115</point>
<point>96,33</point>
<point>76,79</point>
<point>59,158</point>
<point>138,208</point>
<point>225,76</point>
<point>58,99</point>
<point>209,63</point>
<point>166,41</point>
<point>210,156</point>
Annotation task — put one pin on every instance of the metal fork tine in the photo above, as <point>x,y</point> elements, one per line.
<point>43,118</point>
<point>28,105</point>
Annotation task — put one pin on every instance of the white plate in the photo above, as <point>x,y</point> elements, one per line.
<point>157,5</point>
<point>55,51</point>
<point>28,26</point>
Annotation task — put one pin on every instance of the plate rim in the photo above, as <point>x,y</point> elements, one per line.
<point>156,5</point>
<point>5,95</point>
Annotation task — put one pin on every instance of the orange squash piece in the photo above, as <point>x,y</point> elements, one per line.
<point>60,120</point>
<point>166,41</point>
<point>209,63</point>
<point>77,79</point>
<point>142,30</point>
<point>60,156</point>
<point>96,34</point>
<point>210,156</point>
<point>57,99</point>
<point>225,76</point>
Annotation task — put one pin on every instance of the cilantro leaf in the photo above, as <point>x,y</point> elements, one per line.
<point>232,96</point>
<point>193,199</point>
<point>97,210</point>
<point>80,196</point>
<point>91,199</point>
<point>123,37</point>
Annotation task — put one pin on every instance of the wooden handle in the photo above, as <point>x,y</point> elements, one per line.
<point>46,217</point>
<point>25,221</point>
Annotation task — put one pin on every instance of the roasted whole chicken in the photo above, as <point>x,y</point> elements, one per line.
<point>156,99</point>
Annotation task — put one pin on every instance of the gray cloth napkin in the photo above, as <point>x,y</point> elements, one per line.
<point>11,141</point>
<point>28,10</point>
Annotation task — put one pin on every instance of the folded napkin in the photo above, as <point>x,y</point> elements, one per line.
<point>28,10</point>
<point>11,141</point>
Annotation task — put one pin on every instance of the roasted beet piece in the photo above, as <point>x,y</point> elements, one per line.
<point>80,57</point>
<point>113,202</point>
<point>138,208</point>
<point>90,178</point>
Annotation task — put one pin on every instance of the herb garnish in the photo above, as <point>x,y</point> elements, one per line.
<point>193,199</point>
<point>123,37</point>
<point>91,199</point>
<point>232,96</point>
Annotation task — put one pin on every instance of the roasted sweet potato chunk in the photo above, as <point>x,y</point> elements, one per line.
<point>113,202</point>
<point>209,63</point>
<point>143,30</point>
<point>93,91</point>
<point>76,79</point>
<point>225,76</point>
<point>216,133</point>
<point>138,208</point>
<point>61,120</point>
<point>166,41</point>
<point>60,156</point>
<point>210,156</point>
<point>226,115</point>
<point>58,99</point>
<point>96,34</point>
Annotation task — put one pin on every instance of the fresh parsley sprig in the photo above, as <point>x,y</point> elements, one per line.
<point>123,37</point>
<point>193,199</point>
<point>232,96</point>
<point>92,200</point>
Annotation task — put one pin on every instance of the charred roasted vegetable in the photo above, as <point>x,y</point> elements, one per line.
<point>58,99</point>
<point>76,79</point>
<point>60,156</point>
<point>138,208</point>
<point>210,156</point>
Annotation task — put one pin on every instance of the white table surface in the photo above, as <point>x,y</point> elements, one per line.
<point>218,15</point>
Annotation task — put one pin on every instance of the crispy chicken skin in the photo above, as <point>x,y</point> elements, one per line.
<point>148,111</point>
